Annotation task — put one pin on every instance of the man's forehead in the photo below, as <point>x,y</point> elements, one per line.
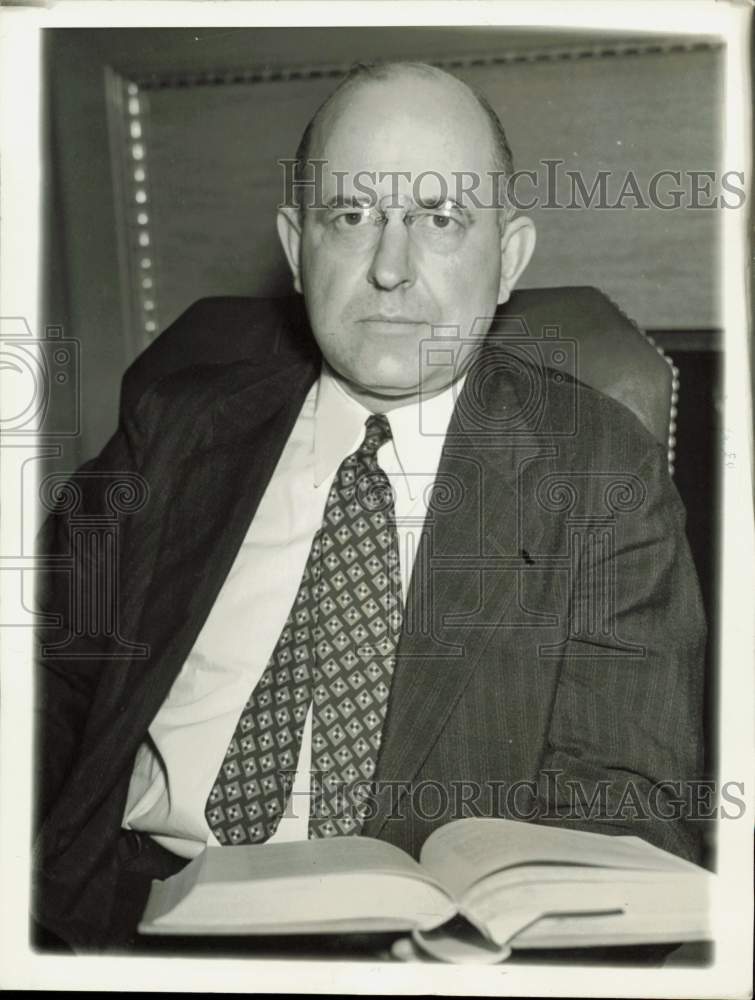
<point>408,124</point>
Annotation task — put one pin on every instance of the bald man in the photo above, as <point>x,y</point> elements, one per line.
<point>344,576</point>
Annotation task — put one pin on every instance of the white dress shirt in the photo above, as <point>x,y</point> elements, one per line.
<point>177,765</point>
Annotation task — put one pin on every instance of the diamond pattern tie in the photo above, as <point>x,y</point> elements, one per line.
<point>337,650</point>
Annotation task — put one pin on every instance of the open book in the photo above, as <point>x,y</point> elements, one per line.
<point>508,883</point>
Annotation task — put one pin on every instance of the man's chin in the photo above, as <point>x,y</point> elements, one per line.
<point>394,394</point>
<point>390,392</point>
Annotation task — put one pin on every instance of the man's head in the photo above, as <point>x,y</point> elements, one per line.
<point>409,231</point>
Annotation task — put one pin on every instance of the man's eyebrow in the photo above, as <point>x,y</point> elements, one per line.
<point>430,204</point>
<point>349,201</point>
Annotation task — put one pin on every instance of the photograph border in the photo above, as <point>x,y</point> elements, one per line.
<point>21,246</point>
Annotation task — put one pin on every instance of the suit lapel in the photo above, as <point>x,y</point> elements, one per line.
<point>216,494</point>
<point>464,579</point>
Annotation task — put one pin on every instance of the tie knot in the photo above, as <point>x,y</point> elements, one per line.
<point>377,432</point>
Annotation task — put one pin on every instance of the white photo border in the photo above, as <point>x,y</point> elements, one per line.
<point>729,975</point>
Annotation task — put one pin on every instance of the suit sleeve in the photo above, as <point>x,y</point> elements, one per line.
<point>625,734</point>
<point>67,663</point>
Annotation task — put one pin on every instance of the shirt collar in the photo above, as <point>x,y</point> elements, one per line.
<point>418,430</point>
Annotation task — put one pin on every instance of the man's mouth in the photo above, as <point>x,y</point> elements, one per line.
<point>393,318</point>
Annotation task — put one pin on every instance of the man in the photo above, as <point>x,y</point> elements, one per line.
<point>351,561</point>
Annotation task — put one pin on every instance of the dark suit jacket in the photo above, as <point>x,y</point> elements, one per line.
<point>510,669</point>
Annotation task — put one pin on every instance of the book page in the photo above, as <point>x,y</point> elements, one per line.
<point>346,883</point>
<point>318,858</point>
<point>510,901</point>
<point>463,852</point>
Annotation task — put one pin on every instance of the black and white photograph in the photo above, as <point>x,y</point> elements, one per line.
<point>377,534</point>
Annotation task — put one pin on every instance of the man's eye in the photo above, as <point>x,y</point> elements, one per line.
<point>437,221</point>
<point>351,220</point>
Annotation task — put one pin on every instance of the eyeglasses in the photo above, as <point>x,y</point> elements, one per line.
<point>356,227</point>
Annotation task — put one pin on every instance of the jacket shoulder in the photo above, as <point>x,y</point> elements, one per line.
<point>590,423</point>
<point>214,333</point>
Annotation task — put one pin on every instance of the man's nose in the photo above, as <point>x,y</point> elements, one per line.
<point>392,264</point>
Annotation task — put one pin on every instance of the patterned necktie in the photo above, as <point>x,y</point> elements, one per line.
<point>338,650</point>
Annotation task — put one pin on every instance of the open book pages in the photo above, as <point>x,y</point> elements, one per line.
<point>517,884</point>
<point>462,853</point>
<point>535,886</point>
<point>344,884</point>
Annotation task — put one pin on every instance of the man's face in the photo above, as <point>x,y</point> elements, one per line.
<point>377,278</point>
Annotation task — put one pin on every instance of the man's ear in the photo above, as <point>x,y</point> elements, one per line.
<point>289,233</point>
<point>517,245</point>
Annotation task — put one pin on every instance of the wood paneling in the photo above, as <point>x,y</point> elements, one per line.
<point>607,114</point>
